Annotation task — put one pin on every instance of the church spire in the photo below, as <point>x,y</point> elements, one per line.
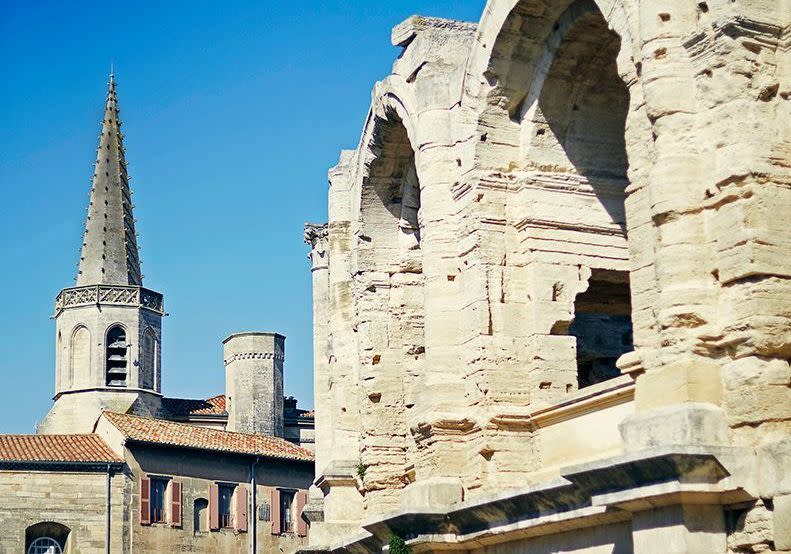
<point>109,247</point>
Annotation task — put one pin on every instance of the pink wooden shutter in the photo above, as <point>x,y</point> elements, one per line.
<point>145,501</point>
<point>175,503</point>
<point>274,510</point>
<point>241,509</point>
<point>302,526</point>
<point>214,507</point>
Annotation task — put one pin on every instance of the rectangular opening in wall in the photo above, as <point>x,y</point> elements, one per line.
<point>159,488</point>
<point>224,505</point>
<point>602,326</point>
<point>286,511</point>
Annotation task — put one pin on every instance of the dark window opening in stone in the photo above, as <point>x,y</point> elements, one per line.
<point>602,326</point>
<point>286,512</point>
<point>200,515</point>
<point>225,494</point>
<point>117,353</point>
<point>158,489</point>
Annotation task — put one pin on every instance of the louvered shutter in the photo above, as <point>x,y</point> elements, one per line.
<point>302,526</point>
<point>274,503</point>
<point>214,507</point>
<point>240,521</point>
<point>175,503</point>
<point>145,501</point>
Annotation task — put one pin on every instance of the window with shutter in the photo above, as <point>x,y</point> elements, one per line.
<point>214,507</point>
<point>302,526</point>
<point>240,521</point>
<point>145,501</point>
<point>175,503</point>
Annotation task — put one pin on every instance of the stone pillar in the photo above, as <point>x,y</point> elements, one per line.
<point>316,237</point>
<point>254,382</point>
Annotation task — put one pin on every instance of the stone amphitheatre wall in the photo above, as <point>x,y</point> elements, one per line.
<point>562,198</point>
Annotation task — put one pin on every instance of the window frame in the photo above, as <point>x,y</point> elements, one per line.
<point>225,513</point>
<point>164,518</point>
<point>286,511</point>
<point>52,542</point>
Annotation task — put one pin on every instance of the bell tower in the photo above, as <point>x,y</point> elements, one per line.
<point>108,326</point>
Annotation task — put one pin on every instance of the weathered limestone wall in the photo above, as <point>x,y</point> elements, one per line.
<point>75,500</point>
<point>569,190</point>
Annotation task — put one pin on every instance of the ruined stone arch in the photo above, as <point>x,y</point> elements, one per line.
<point>558,89</point>
<point>389,314</point>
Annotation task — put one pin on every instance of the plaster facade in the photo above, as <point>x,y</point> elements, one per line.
<point>560,251</point>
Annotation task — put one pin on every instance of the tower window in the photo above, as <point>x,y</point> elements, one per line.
<point>116,357</point>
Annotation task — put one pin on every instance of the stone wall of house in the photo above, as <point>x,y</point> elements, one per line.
<point>563,192</point>
<point>196,471</point>
<point>75,500</point>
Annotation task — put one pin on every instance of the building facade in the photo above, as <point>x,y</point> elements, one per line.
<point>552,301</point>
<point>117,467</point>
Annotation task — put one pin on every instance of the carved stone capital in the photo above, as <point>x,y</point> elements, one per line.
<point>316,236</point>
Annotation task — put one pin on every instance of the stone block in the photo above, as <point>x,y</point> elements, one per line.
<point>434,493</point>
<point>781,522</point>
<point>681,424</point>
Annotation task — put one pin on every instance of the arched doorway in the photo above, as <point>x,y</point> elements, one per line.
<point>47,538</point>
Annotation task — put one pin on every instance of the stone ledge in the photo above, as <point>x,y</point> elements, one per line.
<point>586,494</point>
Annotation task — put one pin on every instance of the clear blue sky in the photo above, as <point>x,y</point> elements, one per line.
<point>233,112</point>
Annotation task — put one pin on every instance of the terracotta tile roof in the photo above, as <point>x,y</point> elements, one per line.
<point>187,406</point>
<point>55,448</point>
<point>170,433</point>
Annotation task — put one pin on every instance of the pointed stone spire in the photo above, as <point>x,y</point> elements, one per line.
<point>109,246</point>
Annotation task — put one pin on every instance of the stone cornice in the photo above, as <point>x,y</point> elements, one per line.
<point>253,356</point>
<point>589,494</point>
<point>110,295</point>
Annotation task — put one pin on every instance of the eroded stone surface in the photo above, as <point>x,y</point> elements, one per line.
<point>534,198</point>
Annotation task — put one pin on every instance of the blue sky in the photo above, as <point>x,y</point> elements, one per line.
<point>233,112</point>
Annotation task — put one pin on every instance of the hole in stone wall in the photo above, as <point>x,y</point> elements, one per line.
<point>602,326</point>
